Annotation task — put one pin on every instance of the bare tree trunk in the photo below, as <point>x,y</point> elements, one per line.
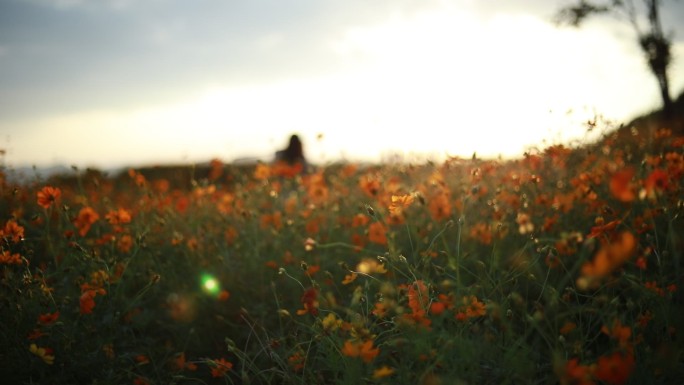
<point>665,94</point>
<point>657,49</point>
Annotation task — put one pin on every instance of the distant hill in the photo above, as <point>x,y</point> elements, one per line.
<point>643,132</point>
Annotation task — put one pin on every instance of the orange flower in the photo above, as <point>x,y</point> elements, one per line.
<point>614,369</point>
<point>576,374</point>
<point>567,327</point>
<point>223,295</point>
<point>360,220</point>
<point>6,258</point>
<point>610,256</point>
<point>310,302</point>
<point>220,367</point>
<point>641,263</point>
<point>161,186</point>
<point>653,286</point>
<point>377,233</point>
<point>262,171</point>
<point>606,229</point>
<point>364,350</point>
<point>179,363</point>
<point>349,278</point>
<point>440,207</point>
<point>85,219</point>
<point>618,332</point>
<point>118,217</point>
<point>13,231</point>
<point>418,297</point>
<point>87,299</point>
<point>644,318</point>
<point>621,185</point>
<point>35,334</point>
<point>367,352</point>
<point>47,196</point>
<point>287,170</point>
<point>370,185</point>
<point>418,319</point>
<point>125,243</point>
<point>382,372</point>
<point>316,188</point>
<point>312,269</point>
<point>380,310</point>
<point>297,361</point>
<point>350,349</point>
<point>274,220</point>
<point>657,181</point>
<point>399,203</point>
<point>475,308</point>
<point>290,205</point>
<point>48,318</point>
<point>437,308</point>
<point>142,359</point>
<point>313,226</point>
<point>482,232</point>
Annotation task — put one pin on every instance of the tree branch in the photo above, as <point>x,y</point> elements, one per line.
<point>574,15</point>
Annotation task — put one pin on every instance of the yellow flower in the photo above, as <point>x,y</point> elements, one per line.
<point>382,372</point>
<point>399,203</point>
<point>43,353</point>
<point>331,322</point>
<point>370,266</point>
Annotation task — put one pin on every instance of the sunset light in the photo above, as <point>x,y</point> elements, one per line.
<point>413,84</point>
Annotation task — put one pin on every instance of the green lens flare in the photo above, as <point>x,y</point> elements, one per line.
<point>210,284</point>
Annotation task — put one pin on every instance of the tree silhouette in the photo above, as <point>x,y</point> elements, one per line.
<point>652,40</point>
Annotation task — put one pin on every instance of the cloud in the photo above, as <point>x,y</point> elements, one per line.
<point>70,4</point>
<point>127,56</point>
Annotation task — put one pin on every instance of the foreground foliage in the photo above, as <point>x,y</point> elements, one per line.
<point>560,267</point>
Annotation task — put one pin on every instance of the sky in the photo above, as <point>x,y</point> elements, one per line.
<point>119,83</point>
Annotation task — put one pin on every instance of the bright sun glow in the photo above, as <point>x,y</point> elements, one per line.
<point>436,84</point>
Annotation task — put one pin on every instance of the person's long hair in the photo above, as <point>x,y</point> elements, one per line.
<point>294,151</point>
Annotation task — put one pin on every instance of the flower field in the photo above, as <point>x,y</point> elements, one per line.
<point>563,266</point>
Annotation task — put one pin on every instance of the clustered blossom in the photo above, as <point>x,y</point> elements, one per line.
<point>613,368</point>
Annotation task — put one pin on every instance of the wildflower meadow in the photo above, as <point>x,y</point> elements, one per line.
<point>563,266</point>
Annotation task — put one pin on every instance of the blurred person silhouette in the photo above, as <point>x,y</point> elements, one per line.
<point>291,160</point>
